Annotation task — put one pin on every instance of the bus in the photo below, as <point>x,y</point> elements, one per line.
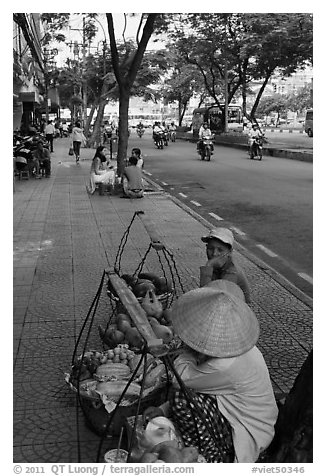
<point>308,125</point>
<point>213,116</point>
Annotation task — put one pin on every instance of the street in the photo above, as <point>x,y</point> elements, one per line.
<point>268,204</point>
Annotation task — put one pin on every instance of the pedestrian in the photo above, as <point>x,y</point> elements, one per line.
<point>136,152</point>
<point>78,139</point>
<point>132,180</point>
<point>60,127</point>
<point>230,410</point>
<point>101,172</point>
<point>49,133</point>
<point>41,158</point>
<point>221,263</point>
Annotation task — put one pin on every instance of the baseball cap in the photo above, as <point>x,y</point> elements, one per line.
<point>223,234</point>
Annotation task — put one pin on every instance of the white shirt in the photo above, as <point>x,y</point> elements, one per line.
<point>205,133</point>
<point>49,129</point>
<point>244,396</point>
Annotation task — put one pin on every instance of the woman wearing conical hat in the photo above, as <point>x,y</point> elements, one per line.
<point>225,375</point>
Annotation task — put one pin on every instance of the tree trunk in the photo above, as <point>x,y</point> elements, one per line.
<point>123,130</point>
<point>96,135</point>
<point>293,440</point>
<point>89,120</point>
<point>259,95</point>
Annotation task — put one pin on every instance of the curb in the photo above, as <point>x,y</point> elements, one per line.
<point>264,267</point>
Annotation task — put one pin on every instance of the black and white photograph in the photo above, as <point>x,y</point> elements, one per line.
<point>162,237</point>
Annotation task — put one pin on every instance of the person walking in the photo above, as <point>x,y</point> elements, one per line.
<point>49,133</point>
<point>78,139</point>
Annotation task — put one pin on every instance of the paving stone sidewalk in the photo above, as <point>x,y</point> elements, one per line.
<point>63,240</point>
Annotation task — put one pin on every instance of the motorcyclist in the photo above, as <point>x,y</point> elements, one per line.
<point>157,129</point>
<point>140,125</point>
<point>253,134</point>
<point>204,134</point>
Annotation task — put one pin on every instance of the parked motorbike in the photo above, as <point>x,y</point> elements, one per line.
<point>23,148</point>
<point>256,148</point>
<point>159,139</point>
<point>140,131</point>
<point>205,150</point>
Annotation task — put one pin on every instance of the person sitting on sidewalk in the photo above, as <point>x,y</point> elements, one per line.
<point>136,152</point>
<point>230,405</point>
<point>41,158</point>
<point>132,181</point>
<point>220,264</point>
<point>101,172</point>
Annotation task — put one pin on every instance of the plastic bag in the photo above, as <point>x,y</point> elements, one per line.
<point>71,151</point>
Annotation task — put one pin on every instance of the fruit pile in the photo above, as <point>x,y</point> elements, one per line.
<point>147,282</point>
<point>100,372</point>
<point>169,452</point>
<point>123,330</point>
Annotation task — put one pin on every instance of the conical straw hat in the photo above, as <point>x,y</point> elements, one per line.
<point>215,322</point>
<point>228,286</point>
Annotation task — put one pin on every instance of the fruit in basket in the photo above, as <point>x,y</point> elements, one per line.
<point>116,388</point>
<point>153,377</point>
<point>163,285</point>
<point>167,316</point>
<point>106,335</point>
<point>190,454</point>
<point>133,337</point>
<point>142,286</point>
<point>107,371</point>
<point>162,332</point>
<point>116,336</point>
<point>152,305</point>
<point>129,279</point>
<point>170,455</point>
<point>149,458</point>
<point>123,322</point>
<point>172,443</point>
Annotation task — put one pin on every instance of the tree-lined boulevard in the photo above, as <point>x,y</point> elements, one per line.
<point>269,201</point>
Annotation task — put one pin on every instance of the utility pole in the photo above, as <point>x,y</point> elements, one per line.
<point>226,95</point>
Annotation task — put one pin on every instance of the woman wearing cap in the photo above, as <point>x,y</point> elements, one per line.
<point>221,264</point>
<point>225,375</point>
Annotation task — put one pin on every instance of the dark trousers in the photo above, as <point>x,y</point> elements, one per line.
<point>49,138</point>
<point>46,165</point>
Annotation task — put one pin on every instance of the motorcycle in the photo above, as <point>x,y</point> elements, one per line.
<point>166,138</point>
<point>205,150</point>
<point>140,132</point>
<point>159,139</point>
<point>23,148</point>
<point>256,148</point>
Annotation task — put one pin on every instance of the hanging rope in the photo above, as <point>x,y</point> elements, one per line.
<point>117,263</point>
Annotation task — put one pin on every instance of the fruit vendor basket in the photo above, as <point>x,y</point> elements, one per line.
<point>147,383</point>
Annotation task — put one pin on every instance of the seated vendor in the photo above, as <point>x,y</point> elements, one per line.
<point>221,263</point>
<point>100,172</point>
<point>133,180</point>
<point>232,406</point>
<point>41,158</point>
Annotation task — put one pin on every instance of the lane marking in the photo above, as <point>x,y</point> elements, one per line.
<point>267,251</point>
<point>215,216</point>
<point>195,203</point>
<point>183,195</point>
<point>238,231</point>
<point>164,183</point>
<point>306,277</point>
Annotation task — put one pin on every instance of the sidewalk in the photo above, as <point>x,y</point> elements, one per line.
<point>63,240</point>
